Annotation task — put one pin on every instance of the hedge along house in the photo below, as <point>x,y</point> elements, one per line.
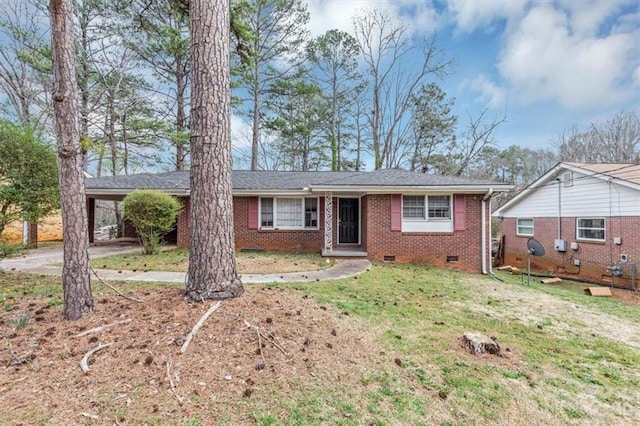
<point>587,216</point>
<point>385,215</point>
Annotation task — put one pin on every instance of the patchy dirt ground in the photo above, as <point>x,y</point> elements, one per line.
<point>531,307</point>
<point>143,376</point>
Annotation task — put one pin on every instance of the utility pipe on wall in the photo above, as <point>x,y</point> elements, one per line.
<point>484,229</point>
<point>559,208</point>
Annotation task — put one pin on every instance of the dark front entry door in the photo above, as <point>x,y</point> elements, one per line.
<point>348,221</point>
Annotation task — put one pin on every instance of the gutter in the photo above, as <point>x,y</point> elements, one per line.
<point>486,198</point>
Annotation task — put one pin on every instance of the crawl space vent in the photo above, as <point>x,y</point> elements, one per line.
<point>452,259</point>
<point>389,258</point>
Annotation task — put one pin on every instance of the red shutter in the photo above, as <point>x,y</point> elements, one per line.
<point>460,212</point>
<point>253,213</point>
<point>396,212</point>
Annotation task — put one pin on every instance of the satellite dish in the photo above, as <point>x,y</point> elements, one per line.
<point>534,247</point>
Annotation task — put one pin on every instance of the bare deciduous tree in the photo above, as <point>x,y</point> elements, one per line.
<point>616,140</point>
<point>384,48</point>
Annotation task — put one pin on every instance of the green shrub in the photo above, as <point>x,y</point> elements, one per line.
<point>153,214</point>
<point>8,249</point>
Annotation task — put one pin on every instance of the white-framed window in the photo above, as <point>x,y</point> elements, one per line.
<point>590,228</point>
<point>289,212</point>
<point>413,207</point>
<point>426,207</point>
<point>524,227</point>
<point>439,206</point>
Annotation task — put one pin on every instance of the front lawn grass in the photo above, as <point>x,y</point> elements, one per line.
<point>557,368</point>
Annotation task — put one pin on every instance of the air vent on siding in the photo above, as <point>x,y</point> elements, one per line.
<point>567,179</point>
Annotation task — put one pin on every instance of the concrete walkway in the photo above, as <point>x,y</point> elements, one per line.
<point>38,261</point>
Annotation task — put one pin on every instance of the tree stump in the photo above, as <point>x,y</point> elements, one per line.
<point>478,343</point>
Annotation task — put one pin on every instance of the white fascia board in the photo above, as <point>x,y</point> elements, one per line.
<point>121,191</point>
<point>271,193</point>
<point>602,176</point>
<point>459,189</point>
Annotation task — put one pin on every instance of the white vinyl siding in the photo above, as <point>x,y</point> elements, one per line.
<point>524,227</point>
<point>427,213</point>
<point>587,197</point>
<point>289,213</point>
<point>591,228</point>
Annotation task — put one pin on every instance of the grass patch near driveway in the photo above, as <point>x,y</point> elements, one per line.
<point>177,260</point>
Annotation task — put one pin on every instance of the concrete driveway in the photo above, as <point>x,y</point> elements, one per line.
<point>35,260</point>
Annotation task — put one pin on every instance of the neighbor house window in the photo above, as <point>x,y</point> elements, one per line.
<point>285,212</point>
<point>525,227</point>
<point>436,207</point>
<point>591,228</point>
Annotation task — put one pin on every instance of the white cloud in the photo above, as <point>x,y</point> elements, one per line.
<point>491,94</point>
<point>586,16</point>
<point>546,58</point>
<point>472,15</point>
<point>636,77</point>
<point>418,16</point>
<point>240,133</point>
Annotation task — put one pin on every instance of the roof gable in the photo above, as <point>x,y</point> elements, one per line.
<point>617,173</point>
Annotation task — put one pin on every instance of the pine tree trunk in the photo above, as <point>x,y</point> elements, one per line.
<point>212,262</point>
<point>76,279</point>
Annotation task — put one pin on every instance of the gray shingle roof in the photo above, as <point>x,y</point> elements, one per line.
<point>178,181</point>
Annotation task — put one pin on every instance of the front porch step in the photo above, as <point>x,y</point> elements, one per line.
<point>344,253</point>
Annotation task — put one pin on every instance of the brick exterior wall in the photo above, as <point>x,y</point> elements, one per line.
<point>292,241</point>
<point>594,256</point>
<point>376,237</point>
<point>425,248</point>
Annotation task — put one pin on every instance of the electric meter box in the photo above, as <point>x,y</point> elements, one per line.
<point>560,245</point>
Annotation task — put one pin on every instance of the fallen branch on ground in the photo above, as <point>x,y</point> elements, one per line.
<point>198,325</point>
<point>103,327</point>
<point>259,341</point>
<point>91,416</point>
<point>269,336</point>
<point>173,387</point>
<point>113,288</point>
<point>84,361</point>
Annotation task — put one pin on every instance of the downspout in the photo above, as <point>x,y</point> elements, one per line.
<point>559,208</point>
<point>484,230</point>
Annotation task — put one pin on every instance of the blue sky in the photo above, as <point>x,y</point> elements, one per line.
<point>548,64</point>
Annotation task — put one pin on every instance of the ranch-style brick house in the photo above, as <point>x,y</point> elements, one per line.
<point>384,215</point>
<point>587,217</point>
